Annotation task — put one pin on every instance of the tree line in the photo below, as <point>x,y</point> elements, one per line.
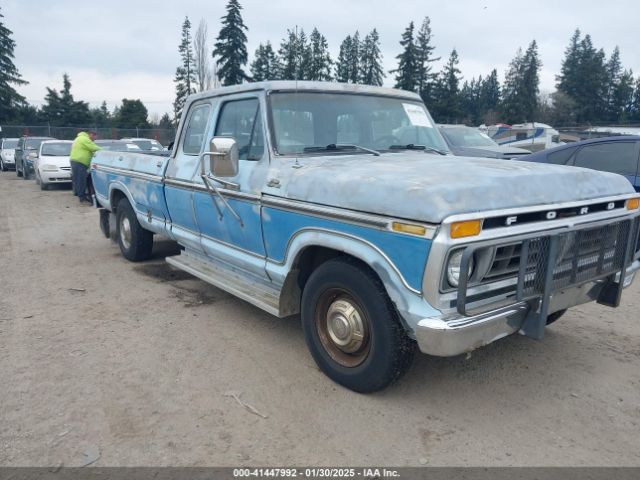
<point>591,88</point>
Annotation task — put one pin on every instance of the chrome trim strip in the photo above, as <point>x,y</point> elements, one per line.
<point>332,213</point>
<point>130,173</point>
<point>200,187</point>
<point>541,208</point>
<point>350,237</point>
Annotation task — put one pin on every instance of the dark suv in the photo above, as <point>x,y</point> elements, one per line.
<point>26,152</point>
<point>608,154</point>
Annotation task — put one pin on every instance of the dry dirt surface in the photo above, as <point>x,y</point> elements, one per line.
<point>124,364</point>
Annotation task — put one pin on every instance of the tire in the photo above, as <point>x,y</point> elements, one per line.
<point>555,316</point>
<point>2,167</point>
<point>366,348</point>
<point>43,186</point>
<point>135,242</point>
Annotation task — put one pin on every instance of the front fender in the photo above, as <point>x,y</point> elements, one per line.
<point>409,301</point>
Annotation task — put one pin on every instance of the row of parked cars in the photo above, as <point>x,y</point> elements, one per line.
<point>47,159</point>
<point>619,154</point>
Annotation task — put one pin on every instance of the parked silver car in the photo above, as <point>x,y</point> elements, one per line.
<point>471,142</point>
<point>7,154</point>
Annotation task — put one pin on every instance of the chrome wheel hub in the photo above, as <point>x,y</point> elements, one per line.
<point>125,232</point>
<point>345,326</point>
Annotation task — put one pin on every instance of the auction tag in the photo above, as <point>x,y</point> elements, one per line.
<point>417,115</point>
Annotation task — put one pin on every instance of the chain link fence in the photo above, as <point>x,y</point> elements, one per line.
<point>162,135</point>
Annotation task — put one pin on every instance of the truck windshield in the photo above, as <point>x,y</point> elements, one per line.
<point>9,143</point>
<point>307,123</point>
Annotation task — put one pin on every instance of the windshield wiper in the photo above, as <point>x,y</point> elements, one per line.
<point>341,146</point>
<point>413,146</point>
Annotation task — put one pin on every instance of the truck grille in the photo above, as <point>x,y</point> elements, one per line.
<point>541,265</point>
<point>581,256</point>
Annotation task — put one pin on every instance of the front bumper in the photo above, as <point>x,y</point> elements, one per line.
<point>456,334</point>
<point>60,176</point>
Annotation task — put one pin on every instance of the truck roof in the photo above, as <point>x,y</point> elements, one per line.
<point>304,86</point>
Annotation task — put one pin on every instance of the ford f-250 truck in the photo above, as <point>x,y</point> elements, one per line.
<point>340,203</point>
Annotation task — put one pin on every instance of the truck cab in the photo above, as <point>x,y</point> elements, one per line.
<point>342,204</point>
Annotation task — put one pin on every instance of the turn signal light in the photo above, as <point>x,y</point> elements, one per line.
<point>468,228</point>
<point>409,228</point>
<point>633,203</point>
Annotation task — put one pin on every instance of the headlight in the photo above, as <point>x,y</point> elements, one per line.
<point>453,267</point>
<point>49,168</point>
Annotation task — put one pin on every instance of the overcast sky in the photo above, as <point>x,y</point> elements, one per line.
<point>118,49</point>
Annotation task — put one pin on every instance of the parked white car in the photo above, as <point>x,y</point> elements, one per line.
<point>7,154</point>
<point>52,165</point>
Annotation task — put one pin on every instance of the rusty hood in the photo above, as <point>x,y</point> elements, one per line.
<point>428,187</point>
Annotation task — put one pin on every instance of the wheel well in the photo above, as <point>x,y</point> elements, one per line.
<point>303,266</point>
<point>116,196</point>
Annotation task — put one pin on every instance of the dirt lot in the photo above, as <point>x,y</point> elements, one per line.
<point>137,370</point>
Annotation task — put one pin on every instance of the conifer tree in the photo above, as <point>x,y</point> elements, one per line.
<point>407,61</point>
<point>372,72</point>
<point>265,64</point>
<point>293,56</point>
<point>490,98</point>
<point>521,86</point>
<point>230,49</point>
<point>343,66</point>
<point>61,109</point>
<point>424,76</point>
<point>10,99</point>
<point>353,58</point>
<point>185,79</point>
<point>447,105</point>
<point>320,63</point>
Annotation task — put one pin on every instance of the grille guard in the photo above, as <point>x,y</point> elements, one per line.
<point>539,279</point>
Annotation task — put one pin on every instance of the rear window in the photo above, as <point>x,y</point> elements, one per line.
<point>35,142</point>
<point>561,157</point>
<point>56,149</point>
<point>618,157</point>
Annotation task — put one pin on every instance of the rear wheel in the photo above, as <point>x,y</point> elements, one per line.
<point>135,242</point>
<point>352,329</point>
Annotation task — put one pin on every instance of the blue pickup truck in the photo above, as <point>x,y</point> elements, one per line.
<point>341,204</point>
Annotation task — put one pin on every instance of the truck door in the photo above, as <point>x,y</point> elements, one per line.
<point>181,172</point>
<point>231,227</point>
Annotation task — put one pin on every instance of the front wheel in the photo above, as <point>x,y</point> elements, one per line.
<point>352,329</point>
<point>555,316</point>
<point>135,242</point>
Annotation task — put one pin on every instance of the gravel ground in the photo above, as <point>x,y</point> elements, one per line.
<point>138,364</point>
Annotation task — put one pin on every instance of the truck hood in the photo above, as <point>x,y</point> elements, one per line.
<point>428,188</point>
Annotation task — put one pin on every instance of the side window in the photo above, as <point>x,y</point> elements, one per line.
<point>618,157</point>
<point>194,133</point>
<point>561,157</point>
<point>240,119</point>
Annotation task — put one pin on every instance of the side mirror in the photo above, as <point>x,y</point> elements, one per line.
<point>223,157</point>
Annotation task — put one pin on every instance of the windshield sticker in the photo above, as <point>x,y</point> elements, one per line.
<point>417,115</point>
